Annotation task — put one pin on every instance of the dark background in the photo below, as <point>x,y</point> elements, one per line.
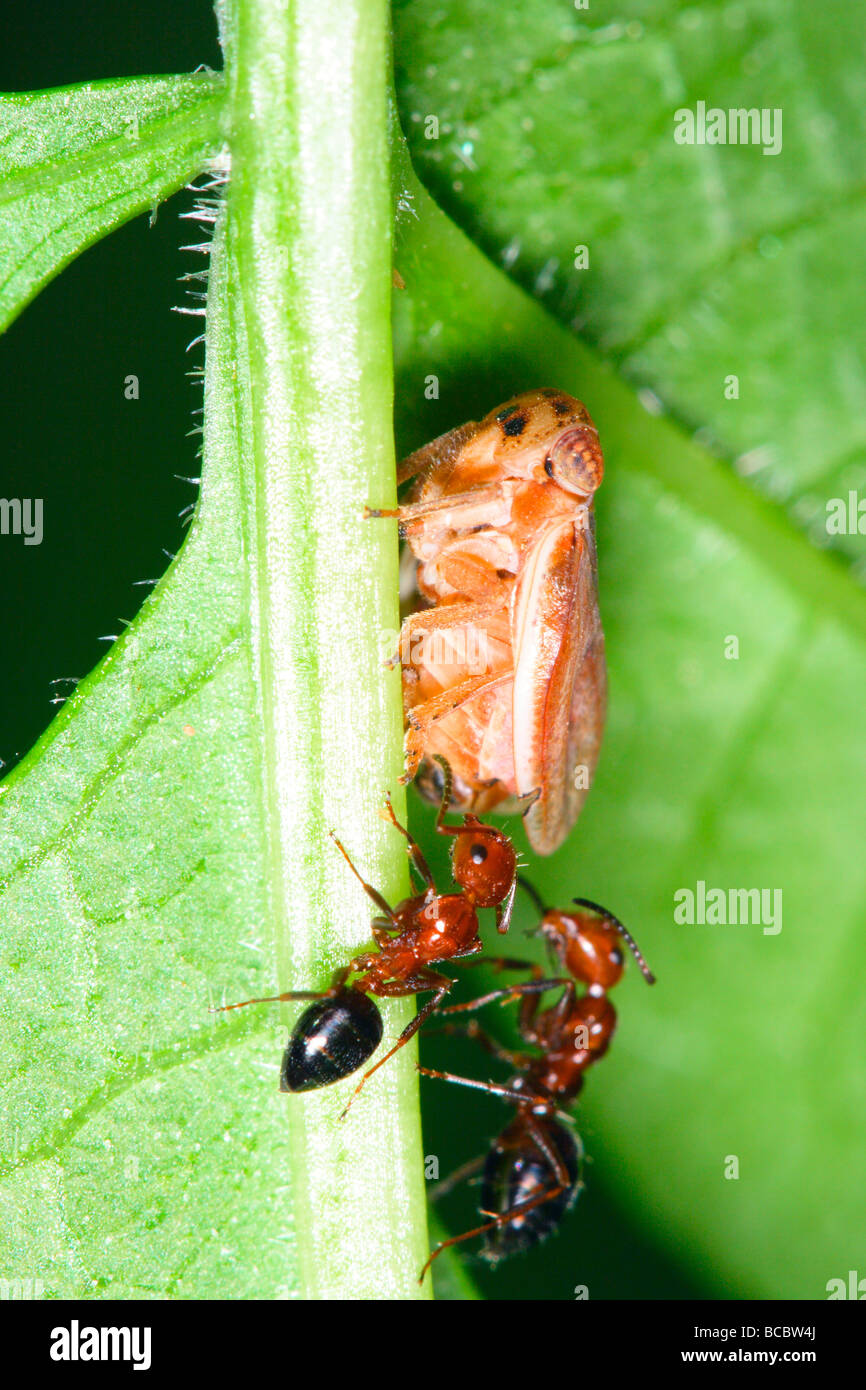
<point>106,467</point>
<point>103,465</point>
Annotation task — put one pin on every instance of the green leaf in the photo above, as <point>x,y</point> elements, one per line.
<point>134,895</point>
<point>742,773</point>
<point>556,131</point>
<point>77,162</point>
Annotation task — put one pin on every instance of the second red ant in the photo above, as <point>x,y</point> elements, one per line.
<point>531,1173</point>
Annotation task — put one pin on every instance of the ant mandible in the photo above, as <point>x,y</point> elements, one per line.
<point>343,1027</point>
<point>531,1173</point>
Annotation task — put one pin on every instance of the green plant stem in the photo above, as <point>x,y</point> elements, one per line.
<point>309,245</point>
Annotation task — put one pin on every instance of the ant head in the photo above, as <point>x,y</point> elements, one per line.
<point>589,944</point>
<point>588,947</point>
<point>483,862</point>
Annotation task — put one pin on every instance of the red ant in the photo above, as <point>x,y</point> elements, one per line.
<point>343,1028</point>
<point>530,1175</point>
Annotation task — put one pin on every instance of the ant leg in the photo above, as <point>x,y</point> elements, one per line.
<point>337,982</point>
<point>428,979</point>
<point>472,1029</point>
<point>557,1167</point>
<point>513,1214</point>
<point>506,963</point>
<point>529,992</point>
<point>507,994</point>
<point>497,963</point>
<point>563,1007</point>
<point>367,887</point>
<point>274,999</point>
<point>529,1006</point>
<point>381,931</point>
<point>413,849</point>
<point>491,1087</point>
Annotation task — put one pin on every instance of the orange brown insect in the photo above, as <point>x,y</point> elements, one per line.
<point>504,671</point>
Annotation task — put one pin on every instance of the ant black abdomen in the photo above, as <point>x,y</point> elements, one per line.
<point>331,1039</point>
<point>517,1174</point>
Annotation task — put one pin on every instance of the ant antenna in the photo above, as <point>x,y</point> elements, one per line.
<point>447,787</point>
<point>624,933</point>
<point>532,892</point>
